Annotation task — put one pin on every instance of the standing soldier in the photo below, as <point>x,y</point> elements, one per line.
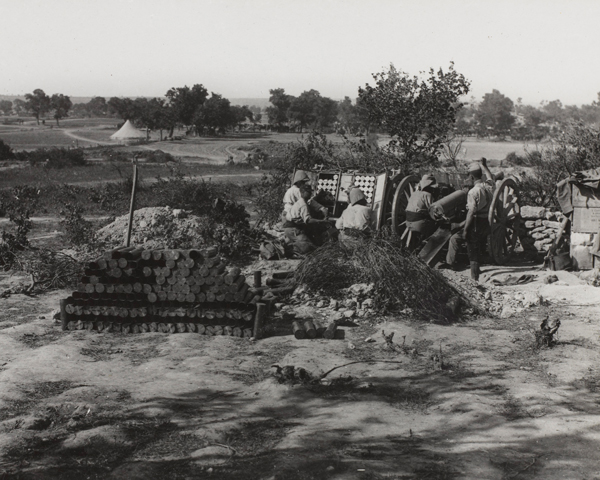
<point>477,227</point>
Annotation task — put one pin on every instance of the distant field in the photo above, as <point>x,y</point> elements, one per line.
<point>29,140</point>
<point>473,149</point>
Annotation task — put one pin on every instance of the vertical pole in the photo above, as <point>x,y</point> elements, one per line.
<point>63,314</point>
<point>132,204</point>
<point>259,319</point>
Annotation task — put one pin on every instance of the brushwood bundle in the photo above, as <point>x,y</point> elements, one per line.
<point>401,280</point>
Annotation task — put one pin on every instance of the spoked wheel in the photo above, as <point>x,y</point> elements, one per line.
<point>505,220</point>
<point>405,189</point>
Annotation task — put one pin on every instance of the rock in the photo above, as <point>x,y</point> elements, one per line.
<point>349,313</point>
<point>279,306</point>
<point>36,423</point>
<point>320,304</point>
<point>554,225</point>
<point>550,279</point>
<point>211,455</point>
<point>351,346</point>
<point>349,303</point>
<point>361,314</point>
<point>369,340</point>
<point>334,304</point>
<point>367,303</point>
<point>330,468</point>
<point>337,316</point>
<point>529,212</point>
<point>507,311</point>
<point>360,288</point>
<point>488,295</point>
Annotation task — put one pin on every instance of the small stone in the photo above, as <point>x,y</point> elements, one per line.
<point>334,304</point>
<point>278,306</point>
<point>349,303</point>
<point>351,346</point>
<point>337,316</point>
<point>42,317</point>
<point>330,468</point>
<point>369,340</point>
<point>349,313</point>
<point>320,304</point>
<point>361,314</point>
<point>488,295</point>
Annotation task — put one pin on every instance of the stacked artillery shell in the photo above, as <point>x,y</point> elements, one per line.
<point>132,290</point>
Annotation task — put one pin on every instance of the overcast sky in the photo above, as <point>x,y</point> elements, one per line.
<point>537,50</point>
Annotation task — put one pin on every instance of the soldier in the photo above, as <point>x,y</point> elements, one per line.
<point>357,220</point>
<point>293,195</point>
<point>302,229</point>
<point>418,219</point>
<point>476,228</point>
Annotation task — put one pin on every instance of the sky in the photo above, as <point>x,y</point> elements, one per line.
<point>538,50</point>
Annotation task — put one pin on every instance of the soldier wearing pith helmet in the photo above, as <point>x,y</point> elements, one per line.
<point>477,227</point>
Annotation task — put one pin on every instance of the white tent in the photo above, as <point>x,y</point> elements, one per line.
<point>128,134</point>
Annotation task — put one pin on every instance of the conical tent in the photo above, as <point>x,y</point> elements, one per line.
<point>128,133</point>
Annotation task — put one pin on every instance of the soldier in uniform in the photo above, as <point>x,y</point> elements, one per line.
<point>418,219</point>
<point>476,228</point>
<point>356,221</point>
<point>302,229</point>
<point>292,195</point>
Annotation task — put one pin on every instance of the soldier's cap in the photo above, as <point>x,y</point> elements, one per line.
<point>300,176</point>
<point>474,167</point>
<point>427,181</point>
<point>355,195</point>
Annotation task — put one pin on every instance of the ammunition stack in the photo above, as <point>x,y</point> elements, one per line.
<point>132,290</point>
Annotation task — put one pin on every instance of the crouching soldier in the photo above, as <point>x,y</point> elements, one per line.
<point>477,227</point>
<point>301,228</point>
<point>292,195</point>
<point>418,220</point>
<point>357,220</point>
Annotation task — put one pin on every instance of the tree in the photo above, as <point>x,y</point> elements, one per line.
<point>185,102</point>
<point>241,114</point>
<point>494,114</point>
<point>418,113</point>
<point>304,108</point>
<point>61,104</point>
<point>122,107</point>
<point>6,107</point>
<point>215,114</point>
<point>327,110</point>
<point>153,114</point>
<point>281,102</point>
<point>38,103</point>
<point>97,107</point>
<point>20,106</point>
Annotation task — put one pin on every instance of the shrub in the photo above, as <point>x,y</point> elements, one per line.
<point>576,149</point>
<point>54,157</point>
<point>78,231</point>
<point>19,205</point>
<point>6,152</point>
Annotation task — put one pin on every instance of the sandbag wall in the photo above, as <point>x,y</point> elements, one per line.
<point>134,291</point>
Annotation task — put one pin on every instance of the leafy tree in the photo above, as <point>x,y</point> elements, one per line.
<point>6,107</point>
<point>122,107</point>
<point>554,111</point>
<point>303,109</point>
<point>97,107</point>
<point>494,114</point>
<point>61,104</point>
<point>347,116</point>
<point>215,114</point>
<point>185,102</point>
<point>327,110</point>
<point>242,113</point>
<point>38,103</point>
<point>153,114</point>
<point>20,106</point>
<point>281,102</point>
<point>6,152</point>
<point>418,113</point>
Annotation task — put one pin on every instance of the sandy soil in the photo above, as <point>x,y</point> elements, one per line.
<point>88,405</point>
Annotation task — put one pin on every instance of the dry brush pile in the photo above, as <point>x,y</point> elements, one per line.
<point>401,280</point>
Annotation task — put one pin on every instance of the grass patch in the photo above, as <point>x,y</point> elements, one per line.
<point>35,340</point>
<point>33,394</point>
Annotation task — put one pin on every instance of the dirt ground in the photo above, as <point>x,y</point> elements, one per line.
<point>472,400</point>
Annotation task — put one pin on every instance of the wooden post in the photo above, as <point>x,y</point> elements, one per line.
<point>261,313</point>
<point>132,203</point>
<point>63,314</point>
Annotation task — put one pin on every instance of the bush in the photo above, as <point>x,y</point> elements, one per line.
<point>576,149</point>
<point>54,157</point>
<point>6,152</point>
<point>19,205</point>
<point>78,231</point>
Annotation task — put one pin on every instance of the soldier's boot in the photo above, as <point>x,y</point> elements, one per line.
<point>475,271</point>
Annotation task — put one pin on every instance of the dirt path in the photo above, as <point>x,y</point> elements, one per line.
<point>84,139</point>
<point>89,405</point>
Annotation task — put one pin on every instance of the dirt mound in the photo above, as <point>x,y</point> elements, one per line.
<point>156,228</point>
